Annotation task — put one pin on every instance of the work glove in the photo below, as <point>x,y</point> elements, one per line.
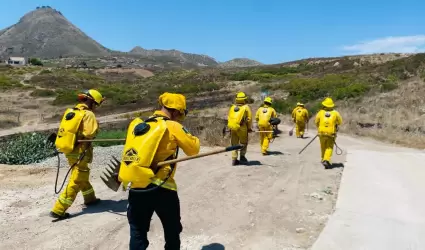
<point>250,130</point>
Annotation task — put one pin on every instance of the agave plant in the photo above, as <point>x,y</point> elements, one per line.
<point>25,148</point>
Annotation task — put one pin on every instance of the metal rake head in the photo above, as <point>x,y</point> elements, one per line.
<point>110,176</point>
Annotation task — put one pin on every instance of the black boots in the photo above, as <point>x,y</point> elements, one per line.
<point>237,162</point>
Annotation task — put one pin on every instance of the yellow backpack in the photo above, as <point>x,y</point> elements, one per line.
<point>235,117</point>
<point>327,122</point>
<point>140,147</point>
<point>66,138</point>
<point>264,116</point>
<point>300,114</point>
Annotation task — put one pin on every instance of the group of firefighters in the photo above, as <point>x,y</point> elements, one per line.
<point>240,122</point>
<point>168,139</point>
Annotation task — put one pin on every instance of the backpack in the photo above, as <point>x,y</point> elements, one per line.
<point>300,114</point>
<point>327,124</point>
<point>140,147</point>
<point>66,138</point>
<point>235,117</point>
<point>264,116</point>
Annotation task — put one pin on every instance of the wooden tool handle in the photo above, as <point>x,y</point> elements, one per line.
<point>99,140</point>
<point>227,149</point>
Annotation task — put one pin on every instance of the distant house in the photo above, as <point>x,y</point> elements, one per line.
<point>16,61</point>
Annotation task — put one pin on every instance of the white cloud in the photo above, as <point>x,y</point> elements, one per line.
<point>400,44</point>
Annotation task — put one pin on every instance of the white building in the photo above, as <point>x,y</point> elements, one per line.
<point>16,61</point>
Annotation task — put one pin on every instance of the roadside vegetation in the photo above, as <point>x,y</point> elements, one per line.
<point>30,148</point>
<point>354,85</point>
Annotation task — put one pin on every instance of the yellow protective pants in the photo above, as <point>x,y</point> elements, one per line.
<point>265,138</point>
<point>79,181</point>
<point>239,137</point>
<point>326,145</point>
<point>299,128</point>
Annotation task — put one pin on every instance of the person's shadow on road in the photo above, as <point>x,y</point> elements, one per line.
<point>213,246</point>
<point>110,206</point>
<point>250,163</point>
<point>274,153</point>
<point>336,165</point>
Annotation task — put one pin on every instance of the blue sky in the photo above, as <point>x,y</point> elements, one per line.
<point>267,31</point>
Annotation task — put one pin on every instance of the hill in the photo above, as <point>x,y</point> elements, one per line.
<point>46,33</point>
<point>240,62</point>
<point>199,60</point>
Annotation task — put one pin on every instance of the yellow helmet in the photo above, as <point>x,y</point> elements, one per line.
<point>328,103</point>
<point>268,100</point>
<point>92,94</point>
<point>173,101</point>
<point>241,97</point>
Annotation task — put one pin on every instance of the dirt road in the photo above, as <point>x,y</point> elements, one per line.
<point>281,201</point>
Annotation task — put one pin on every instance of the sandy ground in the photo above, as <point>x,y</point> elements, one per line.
<point>280,201</point>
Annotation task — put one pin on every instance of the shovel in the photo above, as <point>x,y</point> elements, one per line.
<point>110,177</point>
<point>291,132</point>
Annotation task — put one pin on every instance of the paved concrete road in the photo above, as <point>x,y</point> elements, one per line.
<point>381,203</point>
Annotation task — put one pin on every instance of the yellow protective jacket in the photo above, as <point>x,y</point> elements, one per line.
<point>327,121</point>
<point>175,136</point>
<point>88,129</point>
<point>247,119</point>
<point>300,114</point>
<point>271,113</point>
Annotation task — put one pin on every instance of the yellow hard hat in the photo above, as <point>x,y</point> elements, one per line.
<point>92,94</point>
<point>328,103</point>
<point>173,101</point>
<point>241,97</point>
<point>268,100</point>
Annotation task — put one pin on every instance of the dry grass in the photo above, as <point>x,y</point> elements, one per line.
<point>139,72</point>
<point>397,116</point>
<point>8,123</point>
<point>210,131</point>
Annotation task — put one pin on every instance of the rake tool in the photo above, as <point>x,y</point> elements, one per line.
<point>228,131</point>
<point>273,121</point>
<point>110,177</point>
<point>52,138</point>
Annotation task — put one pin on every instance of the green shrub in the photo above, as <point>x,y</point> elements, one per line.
<point>65,97</point>
<point>35,61</point>
<point>25,149</point>
<point>110,134</point>
<point>338,85</point>
<point>45,71</point>
<point>353,90</point>
<point>43,93</point>
<point>8,83</point>
<point>284,106</point>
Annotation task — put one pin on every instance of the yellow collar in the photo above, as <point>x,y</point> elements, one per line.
<point>160,113</point>
<point>82,106</point>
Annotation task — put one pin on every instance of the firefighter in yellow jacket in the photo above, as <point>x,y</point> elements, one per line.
<point>263,116</point>
<point>300,117</point>
<point>79,181</point>
<point>164,200</point>
<point>239,121</point>
<point>327,122</point>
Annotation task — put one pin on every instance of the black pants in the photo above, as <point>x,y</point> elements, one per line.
<point>140,209</point>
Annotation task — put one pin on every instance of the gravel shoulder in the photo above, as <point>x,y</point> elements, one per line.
<point>281,201</point>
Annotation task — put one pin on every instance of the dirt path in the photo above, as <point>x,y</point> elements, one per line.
<point>280,201</point>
